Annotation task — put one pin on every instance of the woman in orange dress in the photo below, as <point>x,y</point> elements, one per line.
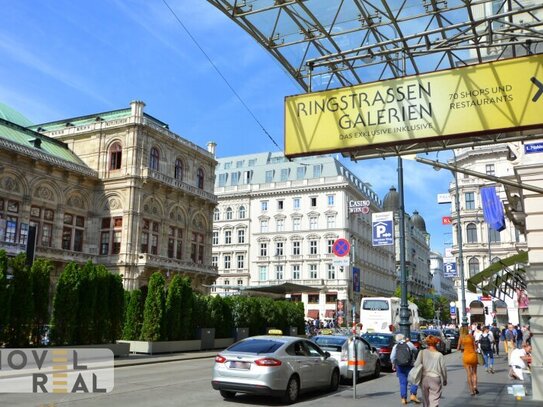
<point>469,358</point>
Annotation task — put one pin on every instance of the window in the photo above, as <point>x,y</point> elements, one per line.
<point>284,174</point>
<point>72,232</point>
<point>313,298</point>
<point>154,159</point>
<point>471,233</point>
<point>178,170</point>
<point>23,234</point>
<point>175,242</point>
<point>473,265</point>
<point>115,156</point>
<point>239,164</point>
<point>200,178</point>
<point>263,249</point>
<point>296,248</point>
<point>296,272</point>
<point>9,213</point>
<point>149,237</point>
<point>262,273</point>
<point>247,176</point>
<point>269,176</point>
<point>494,236</point>
<point>279,272</point>
<point>43,219</point>
<point>227,237</point>
<point>197,247</point>
<point>296,223</point>
<point>330,221</point>
<point>296,203</point>
<point>241,261</point>
<point>313,247</point>
<point>490,169</point>
<point>241,212</point>
<point>215,261</point>
<point>228,165</point>
<point>264,225</point>
<point>331,298</point>
<point>110,235</point>
<point>317,169</point>
<point>278,248</point>
<point>280,225</point>
<point>329,245</point>
<point>331,271</point>
<point>227,261</point>
<point>241,235</point>
<point>216,214</point>
<point>280,204</point>
<point>240,282</point>
<point>263,206</point>
<point>300,172</point>
<point>313,271</point>
<point>228,213</point>
<point>470,200</point>
<point>215,237</point>
<point>313,201</point>
<point>222,179</point>
<point>331,199</point>
<point>235,178</point>
<point>252,163</point>
<point>313,222</point>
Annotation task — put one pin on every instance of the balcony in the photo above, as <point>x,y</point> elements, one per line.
<point>180,185</point>
<point>154,261</point>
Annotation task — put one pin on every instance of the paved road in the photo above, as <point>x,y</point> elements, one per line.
<point>186,383</point>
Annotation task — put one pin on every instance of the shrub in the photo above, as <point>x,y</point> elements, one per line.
<point>22,305</point>
<point>41,275</point>
<point>173,309</point>
<point>65,306</point>
<point>134,316</point>
<point>153,314</point>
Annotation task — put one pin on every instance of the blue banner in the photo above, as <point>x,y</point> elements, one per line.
<point>356,279</point>
<point>492,209</point>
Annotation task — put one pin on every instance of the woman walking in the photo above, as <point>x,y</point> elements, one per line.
<point>434,374</point>
<point>469,358</point>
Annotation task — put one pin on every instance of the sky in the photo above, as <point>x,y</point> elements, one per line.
<point>66,58</point>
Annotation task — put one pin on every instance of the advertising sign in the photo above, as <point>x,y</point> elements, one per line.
<point>450,270</point>
<point>446,220</point>
<point>533,148</point>
<point>382,226</point>
<point>359,207</point>
<point>485,98</point>
<point>356,279</point>
<point>444,198</point>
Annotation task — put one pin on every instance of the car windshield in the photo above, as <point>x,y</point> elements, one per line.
<point>434,332</point>
<point>376,339</point>
<point>330,343</point>
<point>414,336</point>
<point>256,346</point>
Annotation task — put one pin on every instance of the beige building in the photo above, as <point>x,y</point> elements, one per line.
<point>117,188</point>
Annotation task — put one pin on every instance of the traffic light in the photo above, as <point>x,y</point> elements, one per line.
<point>486,310</point>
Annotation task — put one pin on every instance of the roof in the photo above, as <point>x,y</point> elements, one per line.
<point>11,115</point>
<point>82,120</point>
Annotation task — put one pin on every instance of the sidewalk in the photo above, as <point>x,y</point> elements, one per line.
<point>136,359</point>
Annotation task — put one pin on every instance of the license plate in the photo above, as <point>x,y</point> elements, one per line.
<point>234,364</point>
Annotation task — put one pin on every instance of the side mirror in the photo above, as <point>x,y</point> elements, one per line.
<point>327,355</point>
<point>374,349</point>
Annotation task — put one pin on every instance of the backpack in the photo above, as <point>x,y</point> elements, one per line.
<point>496,333</point>
<point>485,343</point>
<point>404,356</point>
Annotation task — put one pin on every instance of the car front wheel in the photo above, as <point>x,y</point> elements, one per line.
<point>292,392</point>
<point>377,371</point>
<point>334,380</point>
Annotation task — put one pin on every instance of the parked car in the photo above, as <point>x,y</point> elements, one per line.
<point>417,339</point>
<point>338,345</point>
<point>444,344</point>
<point>279,366</point>
<point>383,342</point>
<point>453,336</point>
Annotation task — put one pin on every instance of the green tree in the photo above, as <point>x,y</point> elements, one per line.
<point>134,315</point>
<point>153,314</point>
<point>5,295</point>
<point>187,298</point>
<point>65,306</point>
<point>22,305</point>
<point>87,297</point>
<point>221,317</point>
<point>174,309</point>
<point>116,307</point>
<point>102,321</point>
<point>41,277</point>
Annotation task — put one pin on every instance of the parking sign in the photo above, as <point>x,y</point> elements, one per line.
<point>382,226</point>
<point>450,270</point>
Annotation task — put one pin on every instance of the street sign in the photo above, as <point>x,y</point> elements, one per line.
<point>341,247</point>
<point>382,226</point>
<point>533,148</point>
<point>453,310</point>
<point>444,198</point>
<point>450,270</point>
<point>341,261</point>
<point>446,220</point>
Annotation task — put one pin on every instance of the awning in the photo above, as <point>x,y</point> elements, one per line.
<point>313,313</point>
<point>329,313</point>
<point>284,288</point>
<point>502,278</point>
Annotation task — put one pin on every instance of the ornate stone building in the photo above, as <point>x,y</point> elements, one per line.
<point>118,188</point>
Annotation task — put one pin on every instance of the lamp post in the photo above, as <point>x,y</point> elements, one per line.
<point>404,308</point>
<point>460,244</point>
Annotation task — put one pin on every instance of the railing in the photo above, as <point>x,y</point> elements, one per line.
<point>175,183</point>
<point>146,259</point>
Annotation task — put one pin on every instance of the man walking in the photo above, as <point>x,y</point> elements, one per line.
<point>485,345</point>
<point>509,342</point>
<point>496,334</point>
<point>403,358</point>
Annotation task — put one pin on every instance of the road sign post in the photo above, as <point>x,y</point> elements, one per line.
<point>382,229</point>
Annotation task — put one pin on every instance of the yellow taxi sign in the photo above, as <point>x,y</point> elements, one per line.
<point>275,332</point>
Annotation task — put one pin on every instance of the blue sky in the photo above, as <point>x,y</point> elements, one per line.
<point>70,58</point>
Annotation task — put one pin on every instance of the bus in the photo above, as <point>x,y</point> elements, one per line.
<point>382,314</point>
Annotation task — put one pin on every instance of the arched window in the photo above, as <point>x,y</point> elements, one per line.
<point>115,156</point>
<point>228,213</point>
<point>242,212</point>
<point>200,178</point>
<point>216,214</point>
<point>178,171</point>
<point>471,233</point>
<point>473,266</point>
<point>154,159</point>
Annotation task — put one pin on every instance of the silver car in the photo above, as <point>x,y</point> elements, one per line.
<point>280,366</point>
<point>338,345</point>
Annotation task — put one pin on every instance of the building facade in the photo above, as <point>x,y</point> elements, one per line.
<point>442,285</point>
<point>117,188</point>
<point>277,221</point>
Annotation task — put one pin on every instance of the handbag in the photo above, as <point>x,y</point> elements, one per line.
<point>480,359</point>
<point>415,374</point>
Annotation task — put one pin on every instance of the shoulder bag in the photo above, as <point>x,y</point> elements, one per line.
<point>415,374</point>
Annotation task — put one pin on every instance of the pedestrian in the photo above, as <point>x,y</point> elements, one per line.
<point>485,346</point>
<point>509,342</point>
<point>469,359</point>
<point>402,358</point>
<point>519,337</point>
<point>519,360</point>
<point>496,335</point>
<point>434,373</point>
<point>526,335</point>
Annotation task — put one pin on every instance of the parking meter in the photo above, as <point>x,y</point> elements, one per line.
<point>356,355</point>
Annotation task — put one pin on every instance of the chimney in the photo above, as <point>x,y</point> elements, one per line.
<point>137,110</point>
<point>211,146</point>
